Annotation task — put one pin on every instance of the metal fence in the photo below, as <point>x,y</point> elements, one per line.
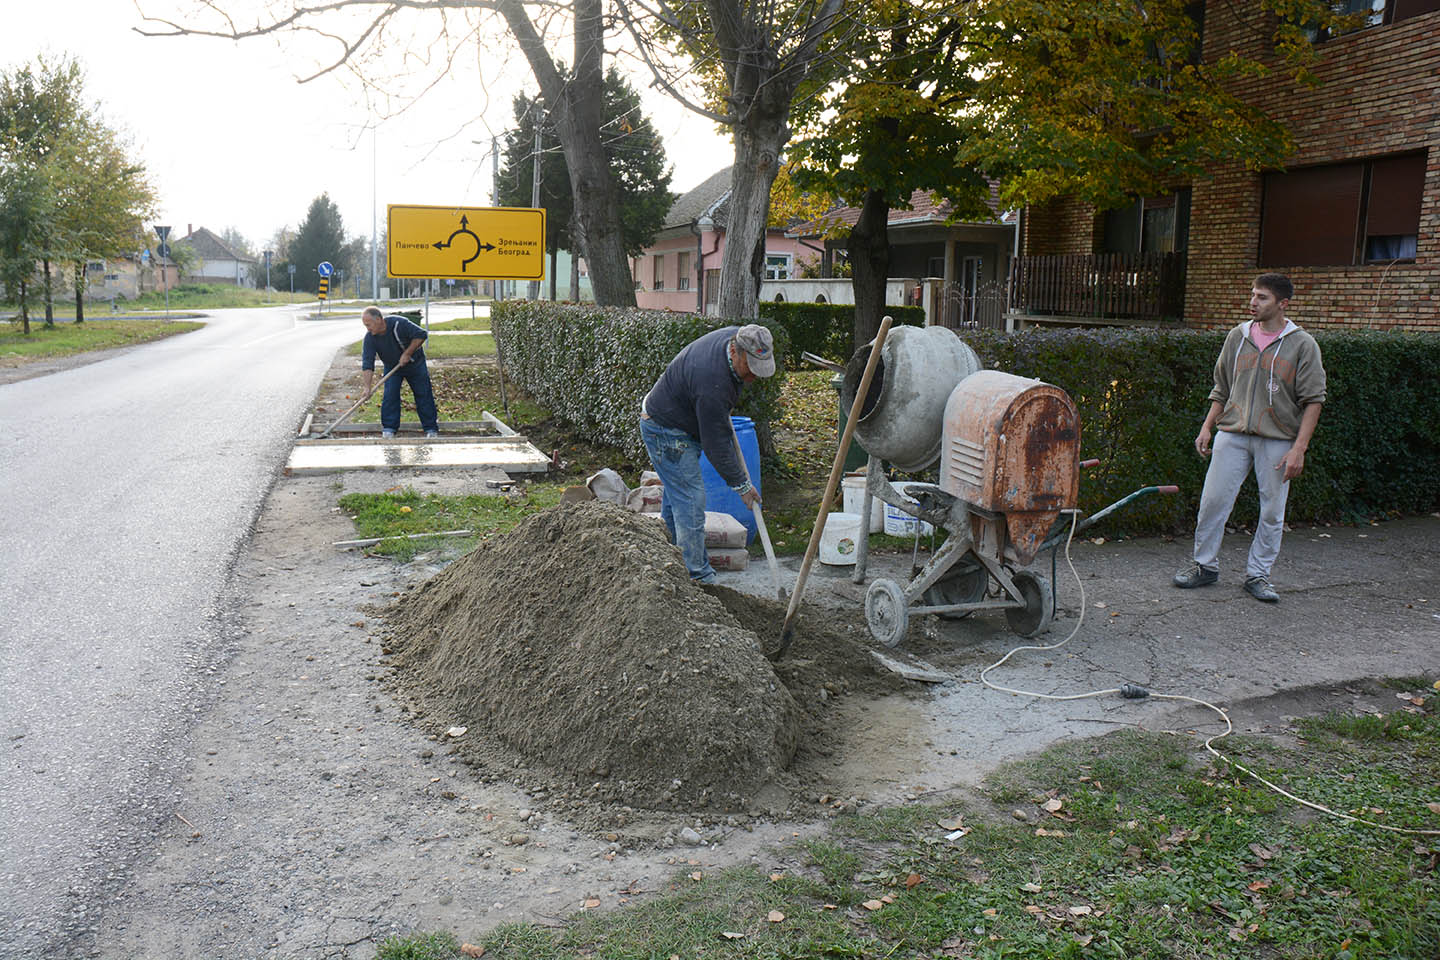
<point>980,308</point>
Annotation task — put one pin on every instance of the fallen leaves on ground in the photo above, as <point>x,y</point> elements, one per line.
<point>775,916</point>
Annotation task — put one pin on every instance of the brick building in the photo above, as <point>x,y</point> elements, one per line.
<point>1353,219</point>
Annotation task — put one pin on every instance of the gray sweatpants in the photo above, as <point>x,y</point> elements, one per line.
<point>1232,456</point>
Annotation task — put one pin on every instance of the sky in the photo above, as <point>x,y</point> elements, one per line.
<point>230,139</point>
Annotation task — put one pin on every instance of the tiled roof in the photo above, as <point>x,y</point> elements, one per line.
<point>710,198</point>
<point>210,247</point>
<point>924,209</point>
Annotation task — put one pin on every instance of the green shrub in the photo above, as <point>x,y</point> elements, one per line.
<point>826,329</point>
<point>1142,395</point>
<point>593,365</point>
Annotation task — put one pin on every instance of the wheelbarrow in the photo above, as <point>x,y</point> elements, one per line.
<point>1009,468</point>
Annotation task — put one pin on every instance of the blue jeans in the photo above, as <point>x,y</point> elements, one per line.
<point>676,458</point>
<point>415,374</point>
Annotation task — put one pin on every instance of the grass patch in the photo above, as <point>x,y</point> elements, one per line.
<point>419,946</point>
<point>214,296</point>
<point>443,348</point>
<point>1153,852</point>
<point>65,339</point>
<point>463,323</point>
<point>405,512</point>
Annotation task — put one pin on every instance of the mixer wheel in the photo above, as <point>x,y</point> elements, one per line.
<point>1034,618</point>
<point>965,586</point>
<point>886,612</point>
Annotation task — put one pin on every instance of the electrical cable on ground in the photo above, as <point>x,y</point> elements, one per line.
<point>1132,691</point>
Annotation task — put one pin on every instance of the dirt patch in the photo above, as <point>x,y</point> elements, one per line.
<point>577,648</point>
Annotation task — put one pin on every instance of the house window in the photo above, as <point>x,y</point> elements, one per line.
<point>1150,225</point>
<point>1365,211</point>
<point>682,271</point>
<point>635,272</point>
<point>777,266</point>
<point>659,272</point>
<point>1370,13</point>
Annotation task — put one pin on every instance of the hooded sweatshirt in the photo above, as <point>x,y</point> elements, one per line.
<point>1265,392</point>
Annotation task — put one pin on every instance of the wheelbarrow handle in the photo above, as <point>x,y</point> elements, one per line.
<point>1087,464</point>
<point>1168,488</point>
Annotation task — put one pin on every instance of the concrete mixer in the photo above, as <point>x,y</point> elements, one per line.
<point>1008,450</point>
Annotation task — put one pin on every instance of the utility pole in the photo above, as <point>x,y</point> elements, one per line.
<point>495,196</point>
<point>374,250</point>
<point>535,184</point>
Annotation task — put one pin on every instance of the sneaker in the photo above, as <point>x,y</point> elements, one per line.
<point>1195,576</point>
<point>387,433</point>
<point>1260,589</point>
<point>432,433</point>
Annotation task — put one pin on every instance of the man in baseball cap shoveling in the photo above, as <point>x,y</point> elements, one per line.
<point>687,411</point>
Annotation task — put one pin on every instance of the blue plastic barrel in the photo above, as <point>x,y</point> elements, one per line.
<point>719,498</point>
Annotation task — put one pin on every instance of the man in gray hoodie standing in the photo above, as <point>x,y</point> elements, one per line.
<point>1269,387</point>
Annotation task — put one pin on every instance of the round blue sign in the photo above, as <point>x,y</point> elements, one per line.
<point>325,268</point>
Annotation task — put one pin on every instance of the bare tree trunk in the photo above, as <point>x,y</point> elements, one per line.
<point>24,307</point>
<point>577,104</point>
<point>49,294</point>
<point>578,245</point>
<point>79,291</point>
<point>869,249</point>
<point>757,161</point>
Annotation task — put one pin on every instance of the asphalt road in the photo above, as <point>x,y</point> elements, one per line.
<point>131,484</point>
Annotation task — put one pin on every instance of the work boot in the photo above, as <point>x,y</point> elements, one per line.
<point>387,433</point>
<point>1260,589</point>
<point>1195,576</point>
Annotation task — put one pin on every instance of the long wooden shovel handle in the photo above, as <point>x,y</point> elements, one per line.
<point>346,415</point>
<point>787,633</point>
<point>760,521</point>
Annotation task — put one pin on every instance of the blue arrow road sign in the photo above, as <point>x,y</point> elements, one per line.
<point>325,268</point>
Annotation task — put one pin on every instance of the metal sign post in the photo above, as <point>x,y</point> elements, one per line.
<point>164,234</point>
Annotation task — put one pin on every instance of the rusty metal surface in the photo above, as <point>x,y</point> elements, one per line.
<point>1012,447</point>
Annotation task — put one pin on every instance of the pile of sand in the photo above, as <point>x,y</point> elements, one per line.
<point>579,642</point>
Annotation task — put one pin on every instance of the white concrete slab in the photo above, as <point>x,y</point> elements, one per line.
<point>512,456</point>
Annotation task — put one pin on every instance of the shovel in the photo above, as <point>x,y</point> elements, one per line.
<point>787,630</point>
<point>760,523</point>
<point>346,415</point>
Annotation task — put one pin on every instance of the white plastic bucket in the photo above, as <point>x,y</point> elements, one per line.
<point>898,523</point>
<point>852,490</point>
<point>840,539</point>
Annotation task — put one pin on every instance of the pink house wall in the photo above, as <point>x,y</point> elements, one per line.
<point>712,244</point>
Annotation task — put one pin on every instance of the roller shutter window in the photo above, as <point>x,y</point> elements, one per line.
<point>1392,216</point>
<point>1310,217</point>
<point>1405,9</point>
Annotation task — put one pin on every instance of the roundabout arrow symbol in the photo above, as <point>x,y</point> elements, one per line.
<point>465,229</point>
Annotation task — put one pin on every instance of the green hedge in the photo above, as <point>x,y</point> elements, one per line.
<point>1142,395</point>
<point>825,329</point>
<point>593,365</point>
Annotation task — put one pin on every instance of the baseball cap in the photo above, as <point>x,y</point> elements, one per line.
<point>759,348</point>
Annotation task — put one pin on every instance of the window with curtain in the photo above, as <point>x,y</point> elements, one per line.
<point>682,271</point>
<point>659,272</point>
<point>1340,214</point>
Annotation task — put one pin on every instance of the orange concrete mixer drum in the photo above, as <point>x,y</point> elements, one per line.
<point>1011,448</point>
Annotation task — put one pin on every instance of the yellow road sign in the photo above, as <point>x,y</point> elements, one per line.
<point>466,243</point>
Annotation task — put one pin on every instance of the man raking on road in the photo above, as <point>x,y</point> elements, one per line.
<point>398,343</point>
<point>687,411</point>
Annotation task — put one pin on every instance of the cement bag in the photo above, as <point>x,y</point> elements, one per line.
<point>724,531</point>
<point>728,559</point>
